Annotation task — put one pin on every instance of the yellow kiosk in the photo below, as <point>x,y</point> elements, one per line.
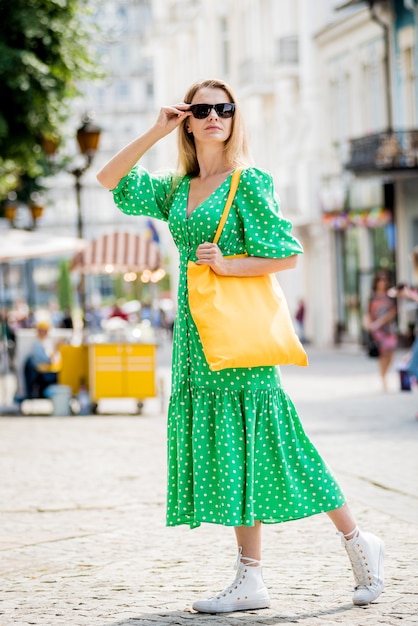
<point>110,370</point>
<point>118,368</point>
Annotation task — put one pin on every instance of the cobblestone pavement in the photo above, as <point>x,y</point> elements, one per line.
<point>82,535</point>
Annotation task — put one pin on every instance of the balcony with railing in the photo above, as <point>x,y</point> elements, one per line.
<point>390,151</point>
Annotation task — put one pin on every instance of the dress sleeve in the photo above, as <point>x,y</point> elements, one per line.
<point>267,233</point>
<point>140,193</point>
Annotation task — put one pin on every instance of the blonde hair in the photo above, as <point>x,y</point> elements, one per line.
<point>236,146</point>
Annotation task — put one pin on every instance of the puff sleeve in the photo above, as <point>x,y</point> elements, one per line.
<point>266,232</point>
<point>140,193</point>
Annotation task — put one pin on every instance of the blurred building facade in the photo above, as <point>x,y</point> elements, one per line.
<point>320,83</point>
<point>122,104</point>
<point>368,63</point>
<point>329,93</point>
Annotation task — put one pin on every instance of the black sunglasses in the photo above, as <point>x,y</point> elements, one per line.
<point>224,110</point>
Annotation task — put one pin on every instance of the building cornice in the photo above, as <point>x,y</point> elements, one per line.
<point>345,25</point>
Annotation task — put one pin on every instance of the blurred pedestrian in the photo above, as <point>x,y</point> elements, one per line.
<point>93,318</point>
<point>117,311</point>
<point>8,338</point>
<point>300,319</point>
<point>67,320</point>
<point>410,293</point>
<point>43,362</point>
<point>412,357</point>
<point>237,451</point>
<point>380,322</point>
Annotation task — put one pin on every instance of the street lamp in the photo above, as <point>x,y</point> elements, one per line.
<point>88,137</point>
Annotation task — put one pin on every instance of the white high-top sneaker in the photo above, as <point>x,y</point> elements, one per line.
<point>365,551</point>
<point>247,592</point>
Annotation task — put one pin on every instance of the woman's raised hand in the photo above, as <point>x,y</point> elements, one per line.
<point>171,116</point>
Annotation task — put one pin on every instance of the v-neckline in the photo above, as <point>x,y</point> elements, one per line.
<point>189,179</point>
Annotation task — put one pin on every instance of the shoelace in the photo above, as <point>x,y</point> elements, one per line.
<point>359,570</point>
<point>353,533</point>
<point>238,563</point>
<point>360,567</point>
<point>249,560</point>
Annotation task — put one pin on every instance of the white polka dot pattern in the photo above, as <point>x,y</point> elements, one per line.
<point>237,451</point>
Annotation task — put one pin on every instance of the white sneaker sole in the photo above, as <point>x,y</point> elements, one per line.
<point>206,606</point>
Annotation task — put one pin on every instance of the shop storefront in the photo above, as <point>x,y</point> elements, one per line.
<point>364,239</point>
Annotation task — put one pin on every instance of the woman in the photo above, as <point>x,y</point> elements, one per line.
<point>380,322</point>
<point>43,362</point>
<point>411,294</point>
<point>411,358</point>
<point>237,453</point>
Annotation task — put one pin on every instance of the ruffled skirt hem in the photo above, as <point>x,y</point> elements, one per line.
<point>238,457</point>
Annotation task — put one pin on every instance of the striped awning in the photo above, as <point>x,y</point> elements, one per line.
<point>118,253</point>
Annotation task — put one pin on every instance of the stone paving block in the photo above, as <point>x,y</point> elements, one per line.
<point>82,534</point>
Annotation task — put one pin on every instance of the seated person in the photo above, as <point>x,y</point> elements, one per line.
<point>42,364</point>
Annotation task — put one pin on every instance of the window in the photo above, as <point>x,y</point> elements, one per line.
<point>122,91</point>
<point>340,107</point>
<point>225,45</point>
<point>408,85</point>
<point>288,50</point>
<point>373,88</point>
<point>408,76</point>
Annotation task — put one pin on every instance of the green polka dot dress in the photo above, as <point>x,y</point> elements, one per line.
<point>237,451</point>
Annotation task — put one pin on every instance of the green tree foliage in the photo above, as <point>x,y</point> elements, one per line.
<point>118,286</point>
<point>44,53</point>
<point>65,290</point>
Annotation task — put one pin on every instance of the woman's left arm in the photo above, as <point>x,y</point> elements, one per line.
<point>384,319</point>
<point>409,293</point>
<point>209,254</point>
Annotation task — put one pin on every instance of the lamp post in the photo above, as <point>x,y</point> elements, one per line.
<point>88,137</point>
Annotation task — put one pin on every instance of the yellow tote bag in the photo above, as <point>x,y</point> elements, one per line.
<point>243,321</point>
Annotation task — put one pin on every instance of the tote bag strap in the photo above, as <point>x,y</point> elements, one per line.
<point>232,190</point>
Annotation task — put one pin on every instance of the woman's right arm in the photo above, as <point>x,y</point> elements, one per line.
<point>121,164</point>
